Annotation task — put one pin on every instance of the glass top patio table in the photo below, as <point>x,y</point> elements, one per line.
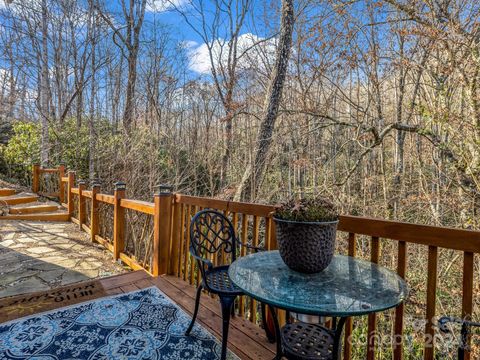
<point>347,287</point>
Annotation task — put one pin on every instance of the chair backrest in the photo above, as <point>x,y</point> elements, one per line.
<point>211,232</point>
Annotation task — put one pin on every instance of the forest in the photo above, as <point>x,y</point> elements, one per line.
<point>374,104</point>
<point>380,106</point>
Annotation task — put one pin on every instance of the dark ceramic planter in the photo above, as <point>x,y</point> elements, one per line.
<point>306,247</point>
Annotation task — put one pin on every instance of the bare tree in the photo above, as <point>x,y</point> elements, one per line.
<point>220,34</point>
<point>44,87</point>
<point>252,178</point>
<point>127,38</point>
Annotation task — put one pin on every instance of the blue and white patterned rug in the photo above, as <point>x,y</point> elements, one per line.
<point>139,325</point>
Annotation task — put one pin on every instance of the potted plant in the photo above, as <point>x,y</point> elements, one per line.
<point>306,231</point>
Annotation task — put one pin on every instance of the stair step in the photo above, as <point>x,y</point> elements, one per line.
<point>18,200</point>
<point>7,192</point>
<point>34,209</point>
<point>60,216</point>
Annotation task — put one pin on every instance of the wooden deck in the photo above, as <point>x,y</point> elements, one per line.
<point>245,339</point>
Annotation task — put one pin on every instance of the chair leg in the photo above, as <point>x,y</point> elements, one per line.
<point>195,312</point>
<point>227,303</point>
<point>268,332</point>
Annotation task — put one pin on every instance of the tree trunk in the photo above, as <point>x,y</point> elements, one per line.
<point>129,112</point>
<point>91,124</point>
<point>253,175</point>
<point>44,91</point>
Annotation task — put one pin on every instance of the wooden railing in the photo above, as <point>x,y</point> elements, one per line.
<point>168,246</point>
<point>431,237</point>
<point>49,182</point>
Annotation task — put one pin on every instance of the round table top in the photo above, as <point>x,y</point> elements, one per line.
<point>347,287</point>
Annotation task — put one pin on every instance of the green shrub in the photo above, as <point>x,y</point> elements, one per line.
<point>24,146</point>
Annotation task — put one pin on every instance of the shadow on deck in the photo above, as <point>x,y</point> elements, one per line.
<point>246,340</point>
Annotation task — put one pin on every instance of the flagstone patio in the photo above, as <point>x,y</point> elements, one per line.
<point>37,256</point>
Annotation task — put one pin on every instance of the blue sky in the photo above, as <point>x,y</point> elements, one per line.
<point>162,12</point>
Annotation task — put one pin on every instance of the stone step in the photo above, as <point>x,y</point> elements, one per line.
<point>7,192</point>
<point>34,209</point>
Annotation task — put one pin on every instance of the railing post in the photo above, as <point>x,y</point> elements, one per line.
<point>61,187</point>
<point>118,220</point>
<point>81,204</point>
<point>272,243</point>
<point>35,178</point>
<point>94,212</point>
<point>162,229</point>
<point>175,234</point>
<point>372,318</point>
<point>347,349</point>
<point>70,185</point>
<point>399,311</point>
<point>432,266</point>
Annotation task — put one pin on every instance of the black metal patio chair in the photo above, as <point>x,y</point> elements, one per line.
<point>212,234</point>
<point>465,332</point>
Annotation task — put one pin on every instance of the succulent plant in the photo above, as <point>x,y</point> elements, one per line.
<point>318,209</point>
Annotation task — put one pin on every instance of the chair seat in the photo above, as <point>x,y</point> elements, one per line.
<point>307,341</point>
<point>218,281</point>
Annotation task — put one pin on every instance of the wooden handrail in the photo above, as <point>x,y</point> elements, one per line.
<point>48,171</point>
<point>137,205</point>
<point>48,195</point>
<point>444,237</point>
<point>225,205</point>
<point>75,191</point>
<point>104,198</point>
